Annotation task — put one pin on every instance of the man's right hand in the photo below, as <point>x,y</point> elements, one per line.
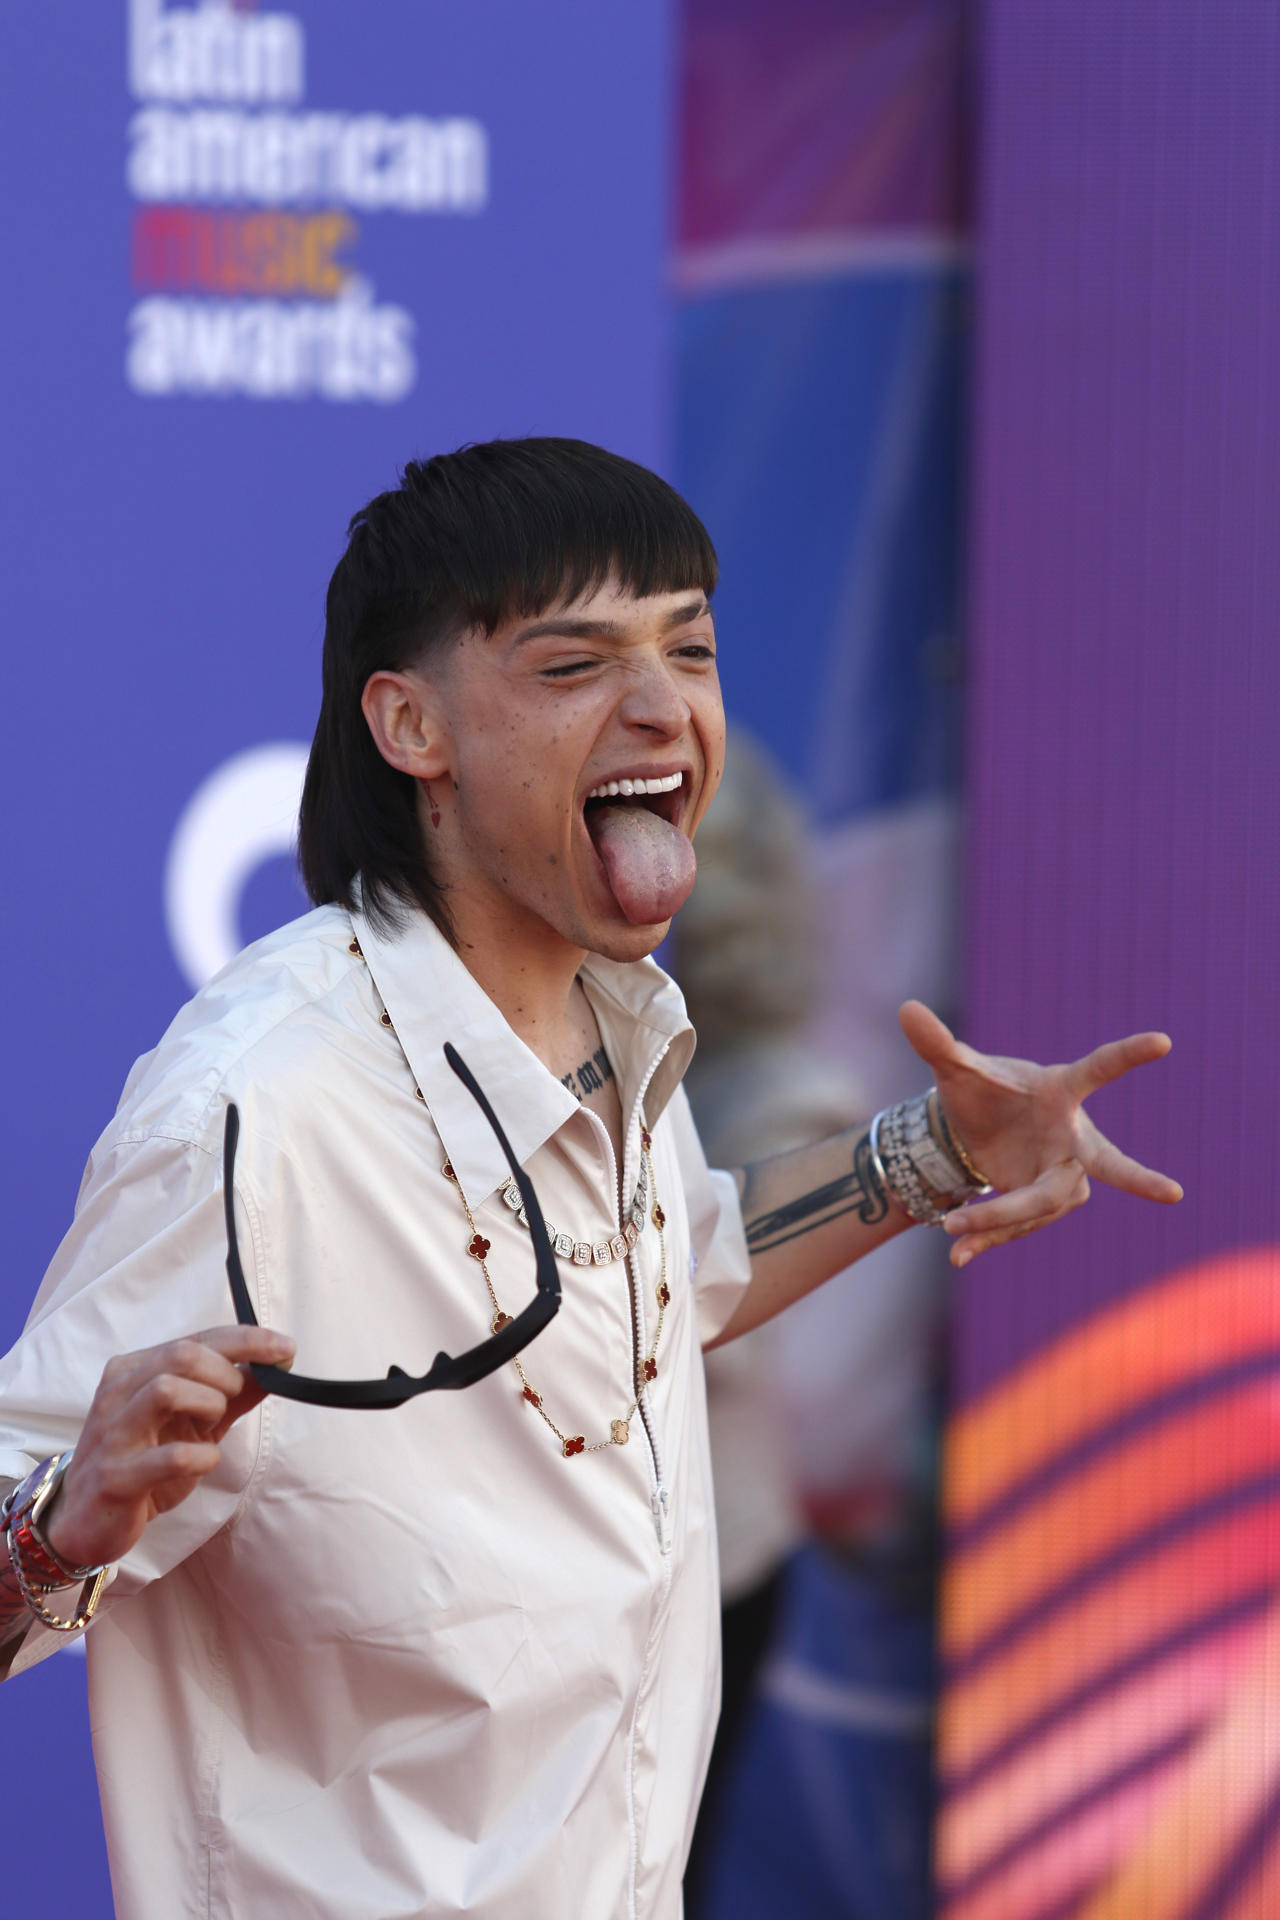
<point>151,1436</point>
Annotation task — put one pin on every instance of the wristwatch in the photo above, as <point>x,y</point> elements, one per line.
<point>36,1567</point>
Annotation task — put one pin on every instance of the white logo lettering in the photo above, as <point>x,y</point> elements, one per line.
<point>364,160</point>
<point>212,52</point>
<point>339,350</point>
<point>246,812</point>
<point>251,208</point>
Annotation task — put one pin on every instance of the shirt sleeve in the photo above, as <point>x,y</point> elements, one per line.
<point>721,1265</point>
<point>143,1263</point>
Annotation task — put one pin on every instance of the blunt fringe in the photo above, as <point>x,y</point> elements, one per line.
<point>497,531</point>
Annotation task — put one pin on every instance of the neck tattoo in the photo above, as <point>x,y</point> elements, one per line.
<point>590,1076</point>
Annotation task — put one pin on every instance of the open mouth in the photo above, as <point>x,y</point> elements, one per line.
<point>662,794</point>
<point>634,825</point>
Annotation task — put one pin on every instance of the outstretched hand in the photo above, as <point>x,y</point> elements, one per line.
<point>1026,1128</point>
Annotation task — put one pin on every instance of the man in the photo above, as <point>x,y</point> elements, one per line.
<point>460,1657</point>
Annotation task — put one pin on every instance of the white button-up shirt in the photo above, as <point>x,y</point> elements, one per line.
<point>408,1662</point>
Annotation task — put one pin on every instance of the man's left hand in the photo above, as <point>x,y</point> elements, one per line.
<point>1025,1126</point>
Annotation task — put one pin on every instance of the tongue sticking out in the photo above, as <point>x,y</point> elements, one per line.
<point>650,864</point>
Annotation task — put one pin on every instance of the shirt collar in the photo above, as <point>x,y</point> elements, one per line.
<point>430,997</point>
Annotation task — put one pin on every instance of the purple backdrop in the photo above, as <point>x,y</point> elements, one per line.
<point>1113,1484</point>
<point>1123,778</point>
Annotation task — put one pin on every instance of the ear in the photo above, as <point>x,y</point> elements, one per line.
<point>406,718</point>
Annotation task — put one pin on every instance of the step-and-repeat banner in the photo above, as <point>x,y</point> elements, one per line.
<point>1111,1617</point>
<point>258,258</point>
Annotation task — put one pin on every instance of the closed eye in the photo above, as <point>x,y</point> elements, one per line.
<point>698,652</point>
<point>569,667</point>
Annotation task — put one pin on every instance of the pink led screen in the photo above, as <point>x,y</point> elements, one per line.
<point>1111,1614</point>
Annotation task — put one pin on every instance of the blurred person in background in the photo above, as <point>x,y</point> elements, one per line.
<point>745,950</point>
<point>742,951</point>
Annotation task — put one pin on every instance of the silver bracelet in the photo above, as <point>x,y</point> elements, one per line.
<point>919,1172</point>
<point>873,1150</point>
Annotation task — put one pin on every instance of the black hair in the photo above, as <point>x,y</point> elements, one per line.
<point>494,532</point>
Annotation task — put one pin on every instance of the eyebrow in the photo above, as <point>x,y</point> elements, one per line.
<point>567,627</point>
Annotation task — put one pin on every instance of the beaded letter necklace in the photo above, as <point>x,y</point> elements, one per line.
<point>597,1253</point>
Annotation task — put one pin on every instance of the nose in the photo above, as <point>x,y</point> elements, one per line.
<point>653,702</point>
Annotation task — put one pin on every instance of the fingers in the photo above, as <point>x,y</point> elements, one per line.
<point>1010,1216</point>
<point>211,1356</point>
<point>1116,1057</point>
<point>197,1379</point>
<point>277,1350</point>
<point>166,1397</point>
<point>1057,1189</point>
<point>153,1432</point>
<point>149,1472</point>
<point>1118,1170</point>
<point>236,1346</point>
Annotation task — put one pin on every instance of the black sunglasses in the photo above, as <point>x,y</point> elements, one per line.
<point>445,1372</point>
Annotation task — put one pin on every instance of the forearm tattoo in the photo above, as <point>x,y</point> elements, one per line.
<point>591,1075</point>
<point>859,1191</point>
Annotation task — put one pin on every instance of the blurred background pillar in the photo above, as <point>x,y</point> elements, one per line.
<point>821,282</point>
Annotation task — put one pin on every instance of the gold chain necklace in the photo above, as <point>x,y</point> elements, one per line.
<point>572,1444</point>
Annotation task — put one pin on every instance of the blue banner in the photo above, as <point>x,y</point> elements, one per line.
<point>258,259</point>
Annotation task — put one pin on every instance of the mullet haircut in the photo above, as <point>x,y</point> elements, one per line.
<point>499,531</point>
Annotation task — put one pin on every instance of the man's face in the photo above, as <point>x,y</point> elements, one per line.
<point>540,716</point>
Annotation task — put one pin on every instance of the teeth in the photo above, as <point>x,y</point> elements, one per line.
<point>611,789</point>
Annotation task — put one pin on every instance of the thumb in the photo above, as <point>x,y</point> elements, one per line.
<point>930,1037</point>
<point>251,1395</point>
